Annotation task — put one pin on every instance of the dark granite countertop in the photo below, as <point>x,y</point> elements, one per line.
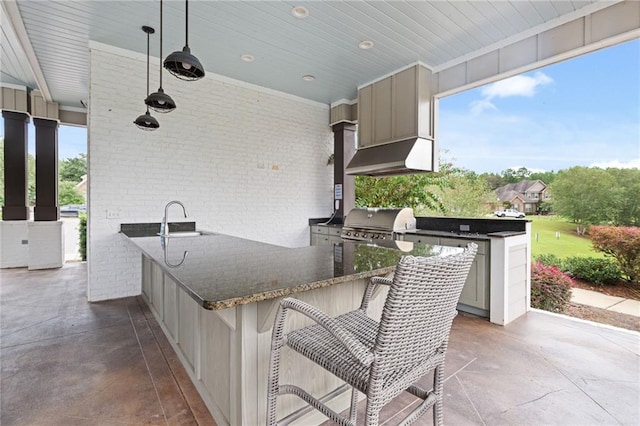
<point>221,271</point>
<point>506,234</point>
<point>466,235</point>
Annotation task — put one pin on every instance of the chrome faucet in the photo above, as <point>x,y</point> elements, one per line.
<point>165,232</point>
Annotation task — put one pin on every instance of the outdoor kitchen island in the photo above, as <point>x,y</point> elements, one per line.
<point>216,296</point>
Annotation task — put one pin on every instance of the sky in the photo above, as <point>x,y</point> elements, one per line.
<point>72,140</point>
<point>581,112</point>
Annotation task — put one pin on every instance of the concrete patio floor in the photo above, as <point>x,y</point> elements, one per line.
<point>65,361</point>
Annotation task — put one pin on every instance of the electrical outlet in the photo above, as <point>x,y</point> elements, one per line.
<point>113,214</point>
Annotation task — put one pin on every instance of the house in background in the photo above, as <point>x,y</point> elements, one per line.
<point>524,196</point>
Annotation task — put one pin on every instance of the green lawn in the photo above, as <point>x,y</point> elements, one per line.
<point>567,244</point>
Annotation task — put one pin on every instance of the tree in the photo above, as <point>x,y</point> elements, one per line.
<point>546,177</point>
<point>628,203</point>
<point>72,169</point>
<point>494,180</point>
<point>31,179</point>
<point>585,195</point>
<point>414,191</point>
<point>465,195</point>
<point>514,176</point>
<point>67,194</point>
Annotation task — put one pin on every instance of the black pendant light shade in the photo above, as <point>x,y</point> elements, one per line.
<point>183,64</point>
<point>146,120</point>
<point>160,101</point>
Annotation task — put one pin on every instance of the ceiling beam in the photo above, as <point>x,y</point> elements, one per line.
<point>15,18</point>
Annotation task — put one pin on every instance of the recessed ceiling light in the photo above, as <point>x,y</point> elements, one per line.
<point>247,58</point>
<point>365,44</point>
<point>300,12</point>
<point>308,77</point>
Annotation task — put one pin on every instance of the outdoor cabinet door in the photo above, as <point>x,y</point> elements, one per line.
<point>365,116</point>
<point>475,288</point>
<point>405,102</point>
<point>475,292</point>
<point>382,111</point>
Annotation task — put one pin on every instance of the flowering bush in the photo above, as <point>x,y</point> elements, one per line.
<point>623,244</point>
<point>550,288</point>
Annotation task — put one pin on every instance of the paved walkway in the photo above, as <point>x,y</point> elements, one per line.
<point>603,301</point>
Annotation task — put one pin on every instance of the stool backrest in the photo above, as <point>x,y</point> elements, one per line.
<point>419,309</point>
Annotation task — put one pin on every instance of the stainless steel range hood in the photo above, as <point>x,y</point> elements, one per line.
<point>410,156</point>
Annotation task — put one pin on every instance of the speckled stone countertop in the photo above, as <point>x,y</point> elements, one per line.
<point>221,271</point>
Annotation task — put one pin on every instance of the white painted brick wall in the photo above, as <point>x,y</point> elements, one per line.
<point>245,161</point>
<point>14,254</point>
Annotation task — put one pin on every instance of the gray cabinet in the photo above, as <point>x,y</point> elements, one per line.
<point>325,234</point>
<point>395,108</point>
<point>475,293</point>
<point>424,239</point>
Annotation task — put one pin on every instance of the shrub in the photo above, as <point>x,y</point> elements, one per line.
<point>550,288</point>
<point>590,269</point>
<point>83,236</point>
<point>549,260</point>
<point>623,244</point>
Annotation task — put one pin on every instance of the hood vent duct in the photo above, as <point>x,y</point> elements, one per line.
<point>416,155</point>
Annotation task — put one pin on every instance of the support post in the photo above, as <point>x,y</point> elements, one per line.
<point>15,166</point>
<point>46,170</point>
<point>344,143</point>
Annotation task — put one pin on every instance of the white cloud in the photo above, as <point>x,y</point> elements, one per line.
<point>477,107</point>
<point>520,85</point>
<point>615,164</point>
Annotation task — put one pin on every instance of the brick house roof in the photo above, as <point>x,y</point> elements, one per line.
<point>520,189</point>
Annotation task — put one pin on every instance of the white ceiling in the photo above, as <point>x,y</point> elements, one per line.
<point>325,44</point>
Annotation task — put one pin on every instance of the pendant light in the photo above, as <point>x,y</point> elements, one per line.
<point>183,64</point>
<point>146,120</point>
<point>160,101</point>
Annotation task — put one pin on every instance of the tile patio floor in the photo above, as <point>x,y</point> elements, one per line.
<point>68,362</point>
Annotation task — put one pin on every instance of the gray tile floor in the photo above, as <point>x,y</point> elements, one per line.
<point>65,361</point>
<point>68,362</point>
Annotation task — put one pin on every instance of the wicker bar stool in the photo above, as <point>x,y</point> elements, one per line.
<point>383,359</point>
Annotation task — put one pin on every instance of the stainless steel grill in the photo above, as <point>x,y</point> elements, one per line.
<point>375,224</point>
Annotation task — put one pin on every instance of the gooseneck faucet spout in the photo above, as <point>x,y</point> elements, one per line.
<point>166,215</point>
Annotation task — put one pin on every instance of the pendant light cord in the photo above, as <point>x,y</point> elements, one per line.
<point>160,44</point>
<point>186,13</point>
<point>148,37</point>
